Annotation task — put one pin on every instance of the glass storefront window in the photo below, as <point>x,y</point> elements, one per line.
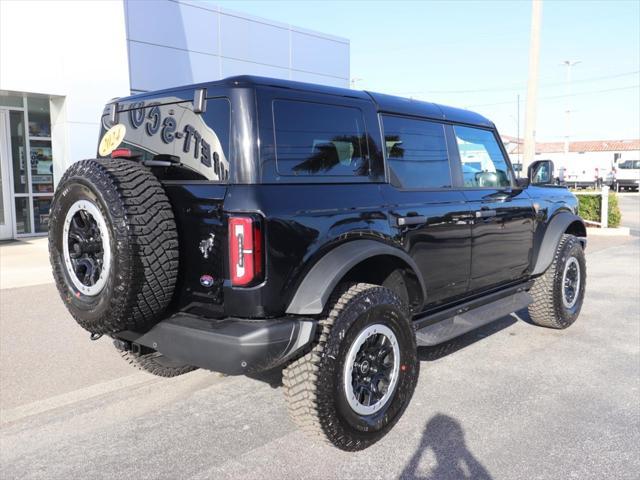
<point>41,206</point>
<point>23,216</point>
<point>41,166</point>
<point>18,151</point>
<point>9,100</point>
<point>39,120</point>
<point>30,163</point>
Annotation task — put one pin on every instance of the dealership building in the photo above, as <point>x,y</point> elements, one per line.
<point>61,61</point>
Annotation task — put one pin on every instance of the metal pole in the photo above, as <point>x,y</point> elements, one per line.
<point>604,208</point>
<point>532,85</point>
<point>518,134</point>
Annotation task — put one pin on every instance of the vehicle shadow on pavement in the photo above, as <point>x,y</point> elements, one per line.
<point>443,454</point>
<point>438,351</point>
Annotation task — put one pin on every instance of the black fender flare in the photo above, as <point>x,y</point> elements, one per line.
<point>552,235</point>
<point>316,287</point>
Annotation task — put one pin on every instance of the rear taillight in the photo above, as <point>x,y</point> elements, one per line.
<point>245,251</point>
<point>121,153</point>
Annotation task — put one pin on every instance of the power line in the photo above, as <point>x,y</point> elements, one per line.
<point>520,87</point>
<point>561,96</point>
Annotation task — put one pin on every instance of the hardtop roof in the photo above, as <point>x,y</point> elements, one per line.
<point>383,102</point>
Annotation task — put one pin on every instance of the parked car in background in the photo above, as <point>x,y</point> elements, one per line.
<point>626,176</point>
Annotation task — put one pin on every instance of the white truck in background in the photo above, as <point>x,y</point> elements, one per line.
<point>626,176</point>
<point>585,173</point>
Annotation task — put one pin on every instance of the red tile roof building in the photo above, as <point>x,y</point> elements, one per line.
<point>516,146</point>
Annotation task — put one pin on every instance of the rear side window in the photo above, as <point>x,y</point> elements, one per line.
<point>314,139</point>
<point>483,164</point>
<point>416,153</point>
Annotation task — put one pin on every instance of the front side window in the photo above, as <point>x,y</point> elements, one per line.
<point>315,139</point>
<point>483,164</point>
<point>416,153</point>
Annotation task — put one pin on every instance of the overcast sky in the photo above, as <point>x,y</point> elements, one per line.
<point>474,54</point>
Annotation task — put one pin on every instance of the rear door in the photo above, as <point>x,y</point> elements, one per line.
<point>503,223</point>
<point>430,217</point>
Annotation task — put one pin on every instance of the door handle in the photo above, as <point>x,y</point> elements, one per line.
<point>413,220</point>
<point>486,213</point>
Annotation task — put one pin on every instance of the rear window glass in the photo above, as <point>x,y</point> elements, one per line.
<point>314,139</point>
<point>200,141</point>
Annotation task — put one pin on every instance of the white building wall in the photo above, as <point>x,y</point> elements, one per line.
<point>185,41</point>
<point>75,52</point>
<point>83,53</point>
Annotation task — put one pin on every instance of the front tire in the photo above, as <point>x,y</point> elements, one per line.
<point>359,378</point>
<point>558,294</point>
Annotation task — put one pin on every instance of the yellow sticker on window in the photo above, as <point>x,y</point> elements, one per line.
<point>112,139</point>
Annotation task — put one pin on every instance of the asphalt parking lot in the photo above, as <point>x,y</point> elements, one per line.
<point>508,401</point>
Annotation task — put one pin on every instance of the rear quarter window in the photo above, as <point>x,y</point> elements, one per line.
<point>320,140</point>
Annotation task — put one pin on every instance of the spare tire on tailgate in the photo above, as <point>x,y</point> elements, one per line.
<point>113,245</point>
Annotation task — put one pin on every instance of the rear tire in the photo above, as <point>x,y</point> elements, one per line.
<point>344,391</point>
<point>558,294</point>
<point>113,245</point>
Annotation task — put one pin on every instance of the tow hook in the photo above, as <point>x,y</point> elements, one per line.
<point>95,336</point>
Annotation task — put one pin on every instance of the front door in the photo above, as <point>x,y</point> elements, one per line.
<point>6,210</point>
<point>502,232</point>
<point>430,216</point>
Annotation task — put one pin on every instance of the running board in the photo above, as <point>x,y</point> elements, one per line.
<point>465,319</point>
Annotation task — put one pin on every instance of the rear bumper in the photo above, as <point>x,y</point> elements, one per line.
<point>232,346</point>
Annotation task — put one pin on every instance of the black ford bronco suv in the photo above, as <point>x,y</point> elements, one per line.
<point>252,224</point>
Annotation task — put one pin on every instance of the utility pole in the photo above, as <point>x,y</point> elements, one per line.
<point>532,85</point>
<point>567,125</point>
<point>518,134</point>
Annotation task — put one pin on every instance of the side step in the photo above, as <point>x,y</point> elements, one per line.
<point>463,320</point>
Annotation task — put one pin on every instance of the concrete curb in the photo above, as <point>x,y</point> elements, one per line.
<point>608,232</point>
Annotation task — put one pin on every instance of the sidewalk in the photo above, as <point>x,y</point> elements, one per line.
<point>24,263</point>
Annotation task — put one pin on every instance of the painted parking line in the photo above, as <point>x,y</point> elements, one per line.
<point>65,399</point>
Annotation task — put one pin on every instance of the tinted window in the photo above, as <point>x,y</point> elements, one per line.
<point>483,164</point>
<point>416,153</point>
<point>319,139</point>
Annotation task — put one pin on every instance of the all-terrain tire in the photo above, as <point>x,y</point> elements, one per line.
<point>157,364</point>
<point>143,245</point>
<point>313,384</point>
<point>548,308</point>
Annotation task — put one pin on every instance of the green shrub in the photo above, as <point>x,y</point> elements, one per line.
<point>589,208</point>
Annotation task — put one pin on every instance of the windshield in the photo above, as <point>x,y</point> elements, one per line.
<point>629,165</point>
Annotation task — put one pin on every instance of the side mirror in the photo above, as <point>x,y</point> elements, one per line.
<point>540,172</point>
